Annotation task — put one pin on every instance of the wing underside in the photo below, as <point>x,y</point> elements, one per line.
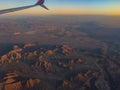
<point>15,9</point>
<point>39,3</point>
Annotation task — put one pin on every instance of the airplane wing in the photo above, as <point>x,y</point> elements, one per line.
<point>40,2</point>
<point>15,9</point>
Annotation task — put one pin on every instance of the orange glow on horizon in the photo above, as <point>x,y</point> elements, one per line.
<point>66,11</point>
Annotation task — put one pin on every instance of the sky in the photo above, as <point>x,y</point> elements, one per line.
<point>64,7</point>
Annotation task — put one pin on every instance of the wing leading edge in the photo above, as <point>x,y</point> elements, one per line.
<point>40,2</point>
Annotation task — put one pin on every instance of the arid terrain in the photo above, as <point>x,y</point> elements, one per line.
<point>60,53</point>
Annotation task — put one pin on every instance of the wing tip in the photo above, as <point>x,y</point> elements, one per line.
<point>43,6</point>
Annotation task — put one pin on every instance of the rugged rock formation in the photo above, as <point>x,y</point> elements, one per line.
<point>66,49</point>
<point>28,45</point>
<point>12,56</point>
<point>55,68</point>
<point>12,81</point>
<point>45,65</point>
<point>49,52</point>
<point>66,84</point>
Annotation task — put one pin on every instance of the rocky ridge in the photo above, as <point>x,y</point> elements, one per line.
<point>40,67</point>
